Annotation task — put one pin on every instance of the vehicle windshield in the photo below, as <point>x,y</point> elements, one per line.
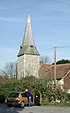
<point>14,95</point>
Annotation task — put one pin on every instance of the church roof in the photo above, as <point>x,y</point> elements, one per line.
<point>28,44</point>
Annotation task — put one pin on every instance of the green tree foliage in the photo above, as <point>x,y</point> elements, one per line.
<point>68,97</point>
<point>7,88</point>
<point>43,86</point>
<point>62,61</point>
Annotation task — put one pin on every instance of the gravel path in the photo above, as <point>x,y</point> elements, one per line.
<point>34,109</point>
<point>46,109</point>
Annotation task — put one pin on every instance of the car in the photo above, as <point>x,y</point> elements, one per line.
<point>37,99</point>
<point>17,99</point>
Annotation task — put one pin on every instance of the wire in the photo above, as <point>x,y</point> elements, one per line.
<point>62,46</point>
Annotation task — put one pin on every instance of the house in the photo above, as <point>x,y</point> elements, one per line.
<point>62,74</point>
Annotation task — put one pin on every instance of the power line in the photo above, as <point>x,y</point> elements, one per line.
<point>62,46</point>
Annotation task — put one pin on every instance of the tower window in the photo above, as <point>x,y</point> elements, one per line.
<point>20,47</point>
<point>31,46</point>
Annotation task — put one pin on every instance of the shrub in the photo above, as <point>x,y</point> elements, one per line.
<point>2,99</point>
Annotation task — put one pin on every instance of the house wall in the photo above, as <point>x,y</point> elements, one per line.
<point>64,84</point>
<point>61,82</point>
<point>68,91</point>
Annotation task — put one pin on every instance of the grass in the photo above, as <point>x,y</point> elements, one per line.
<point>56,104</point>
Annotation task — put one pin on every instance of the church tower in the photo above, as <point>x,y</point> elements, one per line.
<point>28,56</point>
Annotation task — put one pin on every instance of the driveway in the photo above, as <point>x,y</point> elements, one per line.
<point>34,109</point>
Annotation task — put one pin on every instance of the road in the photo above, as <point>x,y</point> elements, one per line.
<point>34,109</point>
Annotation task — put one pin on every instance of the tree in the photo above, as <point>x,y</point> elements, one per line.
<point>62,61</point>
<point>44,59</point>
<point>10,70</point>
<point>9,86</point>
<point>43,86</point>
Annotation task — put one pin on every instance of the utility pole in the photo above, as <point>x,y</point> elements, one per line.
<point>55,65</point>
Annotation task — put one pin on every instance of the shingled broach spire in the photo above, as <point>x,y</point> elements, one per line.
<point>28,56</point>
<point>28,45</point>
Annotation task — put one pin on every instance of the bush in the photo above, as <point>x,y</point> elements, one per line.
<point>68,97</point>
<point>2,99</point>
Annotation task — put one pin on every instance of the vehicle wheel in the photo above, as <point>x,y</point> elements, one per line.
<point>22,104</point>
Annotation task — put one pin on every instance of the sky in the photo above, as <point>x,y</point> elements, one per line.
<point>50,24</point>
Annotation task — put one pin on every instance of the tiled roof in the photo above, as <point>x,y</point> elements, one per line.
<point>44,68</point>
<point>48,70</point>
<point>61,72</point>
<point>67,82</point>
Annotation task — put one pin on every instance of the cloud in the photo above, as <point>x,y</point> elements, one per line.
<point>5,19</point>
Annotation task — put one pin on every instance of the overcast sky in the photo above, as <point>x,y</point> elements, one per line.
<point>50,23</point>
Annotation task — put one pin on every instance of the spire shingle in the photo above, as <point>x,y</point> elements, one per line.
<point>28,45</point>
